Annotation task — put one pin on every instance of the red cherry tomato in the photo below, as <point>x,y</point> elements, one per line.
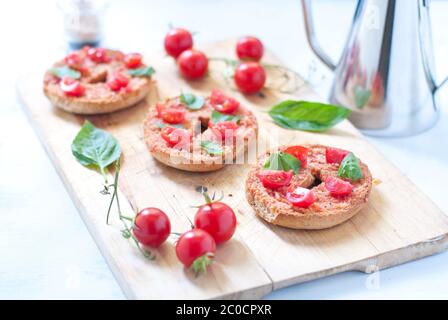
<point>249,48</point>
<point>73,60</point>
<point>301,197</point>
<point>250,77</point>
<point>300,153</point>
<point>176,137</point>
<point>118,81</point>
<point>72,87</point>
<point>194,245</point>
<point>172,115</point>
<point>218,219</point>
<point>335,155</point>
<point>274,179</point>
<point>223,103</point>
<point>338,187</point>
<point>224,128</point>
<point>192,64</point>
<point>98,55</point>
<point>151,227</point>
<point>133,60</point>
<point>177,41</point>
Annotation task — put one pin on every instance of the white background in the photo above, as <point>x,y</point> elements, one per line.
<point>45,249</point>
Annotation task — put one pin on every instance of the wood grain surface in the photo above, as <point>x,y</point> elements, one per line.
<point>399,224</point>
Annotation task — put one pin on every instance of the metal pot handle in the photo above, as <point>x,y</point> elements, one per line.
<point>311,36</point>
<point>425,40</point>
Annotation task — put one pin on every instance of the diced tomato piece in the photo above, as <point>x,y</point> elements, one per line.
<point>98,55</point>
<point>335,155</point>
<point>133,60</point>
<point>172,115</point>
<point>274,179</point>
<point>74,60</point>
<point>338,187</point>
<point>300,153</point>
<point>301,197</point>
<point>118,81</point>
<point>176,137</point>
<point>225,128</point>
<point>223,103</point>
<point>72,87</point>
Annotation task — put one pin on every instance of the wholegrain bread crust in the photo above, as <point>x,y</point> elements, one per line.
<point>326,212</point>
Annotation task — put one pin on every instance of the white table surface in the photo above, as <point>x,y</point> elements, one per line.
<point>45,249</point>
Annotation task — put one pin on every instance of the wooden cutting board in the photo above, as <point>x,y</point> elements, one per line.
<point>399,224</point>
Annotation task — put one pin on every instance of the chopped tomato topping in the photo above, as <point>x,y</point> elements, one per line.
<point>172,115</point>
<point>274,179</point>
<point>338,187</point>
<point>176,137</point>
<point>74,60</point>
<point>224,128</point>
<point>300,153</point>
<point>335,155</point>
<point>301,197</point>
<point>98,55</point>
<point>118,81</point>
<point>133,60</point>
<point>223,103</point>
<point>72,87</point>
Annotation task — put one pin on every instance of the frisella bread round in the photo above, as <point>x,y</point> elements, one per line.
<point>199,134</point>
<point>308,187</point>
<point>97,80</point>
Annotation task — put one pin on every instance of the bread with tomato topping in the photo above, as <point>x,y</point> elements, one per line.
<point>326,210</point>
<point>97,81</point>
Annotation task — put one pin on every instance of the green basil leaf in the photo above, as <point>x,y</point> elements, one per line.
<point>221,117</point>
<point>307,116</point>
<point>283,162</point>
<point>65,71</point>
<point>211,148</point>
<point>95,147</point>
<point>362,96</point>
<point>142,72</point>
<point>193,102</point>
<point>350,168</point>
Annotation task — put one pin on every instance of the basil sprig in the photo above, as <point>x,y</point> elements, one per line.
<point>221,117</point>
<point>191,101</point>
<point>211,148</point>
<point>282,162</point>
<point>307,116</point>
<point>362,96</point>
<point>142,72</point>
<point>350,168</point>
<point>94,147</point>
<point>65,71</point>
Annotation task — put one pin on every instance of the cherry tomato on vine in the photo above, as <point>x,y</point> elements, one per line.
<point>335,155</point>
<point>193,64</point>
<point>177,41</point>
<point>301,197</point>
<point>338,187</point>
<point>223,103</point>
<point>250,77</point>
<point>151,227</point>
<point>176,137</point>
<point>218,219</point>
<point>249,48</point>
<point>133,60</point>
<point>196,249</point>
<point>72,87</point>
<point>300,153</point>
<point>274,179</point>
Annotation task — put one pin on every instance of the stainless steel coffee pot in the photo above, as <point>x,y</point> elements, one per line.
<point>386,72</point>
